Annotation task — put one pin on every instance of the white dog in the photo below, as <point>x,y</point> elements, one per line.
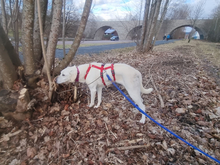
<point>91,74</point>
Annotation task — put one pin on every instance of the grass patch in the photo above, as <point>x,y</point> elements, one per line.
<point>202,49</point>
<point>88,45</point>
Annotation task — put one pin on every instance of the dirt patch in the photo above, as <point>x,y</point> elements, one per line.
<point>72,133</point>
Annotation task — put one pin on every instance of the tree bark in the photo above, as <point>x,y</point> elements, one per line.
<point>147,45</point>
<point>4,18</point>
<point>69,57</point>
<point>161,21</point>
<point>144,26</point>
<point>44,51</point>
<point>10,49</point>
<point>64,23</point>
<point>27,36</point>
<point>53,38</point>
<point>36,36</point>
<point>7,69</point>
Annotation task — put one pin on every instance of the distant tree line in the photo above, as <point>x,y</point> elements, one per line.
<point>212,26</point>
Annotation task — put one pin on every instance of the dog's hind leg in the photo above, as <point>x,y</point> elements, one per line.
<point>92,93</point>
<point>136,97</point>
<point>134,91</point>
<point>99,91</point>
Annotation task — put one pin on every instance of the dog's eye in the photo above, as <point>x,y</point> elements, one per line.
<point>63,74</point>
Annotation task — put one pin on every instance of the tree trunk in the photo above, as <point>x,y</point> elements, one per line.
<point>44,51</point>
<point>7,69</point>
<point>10,49</point>
<point>16,28</point>
<point>27,36</point>
<point>4,19</point>
<point>69,57</point>
<point>64,23</point>
<point>36,36</point>
<point>161,21</point>
<point>147,45</point>
<point>145,24</point>
<point>57,10</point>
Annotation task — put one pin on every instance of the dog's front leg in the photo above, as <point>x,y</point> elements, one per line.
<point>99,90</point>
<point>92,92</point>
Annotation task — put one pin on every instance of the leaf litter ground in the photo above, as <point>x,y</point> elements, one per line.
<point>72,133</point>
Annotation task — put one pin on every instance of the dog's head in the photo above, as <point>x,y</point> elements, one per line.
<point>67,75</point>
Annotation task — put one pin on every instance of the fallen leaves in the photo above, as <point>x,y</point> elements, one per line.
<point>72,133</point>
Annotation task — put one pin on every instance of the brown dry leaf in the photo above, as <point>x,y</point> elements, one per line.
<point>65,113</point>
<point>99,123</point>
<point>66,107</point>
<point>31,152</point>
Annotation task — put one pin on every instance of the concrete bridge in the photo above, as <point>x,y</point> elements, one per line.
<point>129,29</point>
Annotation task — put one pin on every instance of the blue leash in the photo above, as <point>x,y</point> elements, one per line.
<point>216,160</point>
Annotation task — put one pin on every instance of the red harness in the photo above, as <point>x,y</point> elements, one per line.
<point>101,71</point>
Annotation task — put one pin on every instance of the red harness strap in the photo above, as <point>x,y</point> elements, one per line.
<point>87,71</point>
<point>112,70</point>
<point>101,71</point>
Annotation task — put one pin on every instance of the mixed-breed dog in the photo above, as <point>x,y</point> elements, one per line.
<point>94,75</point>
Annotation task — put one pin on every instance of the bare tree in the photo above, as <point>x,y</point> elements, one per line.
<point>196,13</point>
<point>14,21</point>
<point>10,49</point>
<point>64,23</point>
<point>4,18</point>
<point>163,13</point>
<point>134,17</point>
<point>212,26</point>
<point>149,25</point>
<point>145,24</point>
<point>7,69</point>
<point>178,11</point>
<point>53,38</point>
<point>155,13</point>
<point>44,51</point>
<point>36,33</point>
<point>68,58</point>
<point>27,36</point>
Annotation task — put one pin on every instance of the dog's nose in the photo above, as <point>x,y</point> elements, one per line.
<point>56,79</point>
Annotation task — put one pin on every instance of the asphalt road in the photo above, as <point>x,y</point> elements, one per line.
<point>102,48</point>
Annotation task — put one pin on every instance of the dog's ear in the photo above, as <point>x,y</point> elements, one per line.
<point>73,73</point>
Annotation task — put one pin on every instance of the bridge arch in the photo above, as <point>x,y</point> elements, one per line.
<point>99,34</point>
<point>134,33</point>
<point>199,30</point>
<point>125,29</point>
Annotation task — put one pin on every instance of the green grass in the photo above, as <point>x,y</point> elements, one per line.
<point>86,45</point>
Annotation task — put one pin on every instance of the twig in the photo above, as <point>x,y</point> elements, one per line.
<point>44,52</point>
<point>127,148</point>
<point>160,98</point>
<point>108,134</point>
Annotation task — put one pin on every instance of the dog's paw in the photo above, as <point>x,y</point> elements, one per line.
<point>142,121</point>
<point>96,106</point>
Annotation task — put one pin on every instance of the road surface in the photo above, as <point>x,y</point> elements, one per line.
<point>102,48</point>
<point>108,45</point>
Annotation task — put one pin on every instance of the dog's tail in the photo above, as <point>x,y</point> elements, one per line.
<point>143,90</point>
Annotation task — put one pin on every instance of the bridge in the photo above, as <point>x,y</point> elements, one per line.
<point>130,29</point>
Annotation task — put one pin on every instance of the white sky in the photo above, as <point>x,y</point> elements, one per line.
<point>119,9</point>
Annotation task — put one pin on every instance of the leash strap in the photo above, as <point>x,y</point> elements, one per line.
<point>165,128</point>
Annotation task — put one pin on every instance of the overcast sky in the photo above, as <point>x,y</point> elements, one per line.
<point>120,9</point>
